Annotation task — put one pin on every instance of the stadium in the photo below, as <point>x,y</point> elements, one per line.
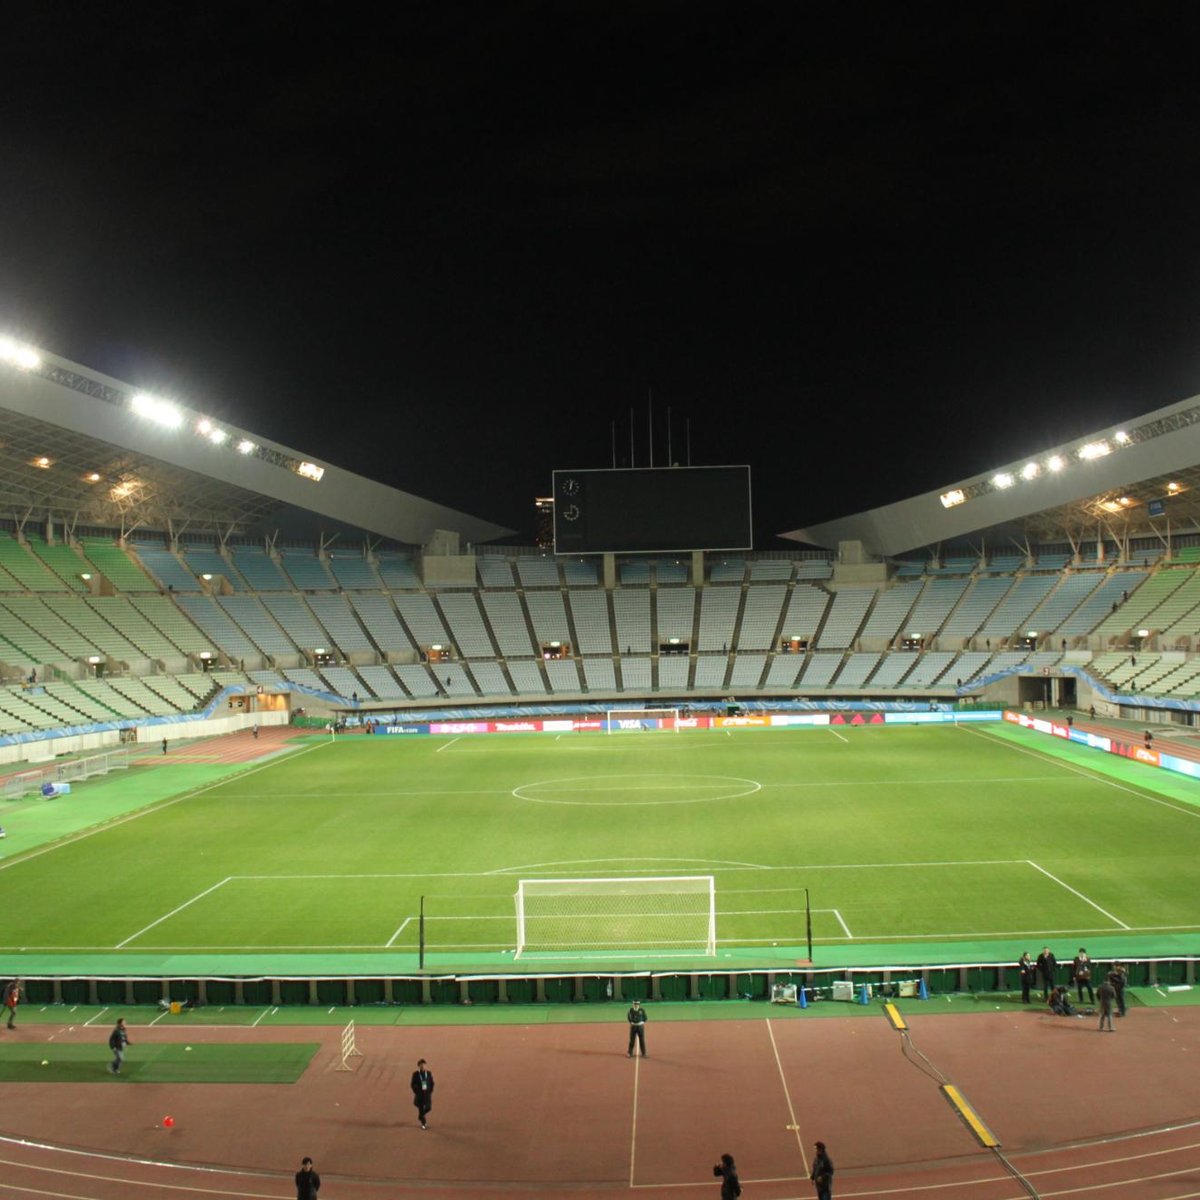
<point>284,746</point>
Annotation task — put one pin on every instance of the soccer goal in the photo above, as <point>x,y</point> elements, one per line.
<point>622,720</point>
<point>605,917</point>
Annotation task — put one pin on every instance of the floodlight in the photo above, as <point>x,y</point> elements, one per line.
<point>246,446</point>
<point>1003,480</point>
<point>1032,633</point>
<point>310,471</point>
<point>95,658</point>
<point>16,355</point>
<point>1143,633</point>
<point>218,437</point>
<point>1056,462</point>
<point>1030,471</point>
<point>1094,450</point>
<point>1172,488</point>
<point>206,654</point>
<point>1121,437</point>
<point>951,498</point>
<point>42,461</point>
<point>92,477</point>
<point>154,409</point>
<point>204,426</point>
<point>86,576</point>
<point>206,577</point>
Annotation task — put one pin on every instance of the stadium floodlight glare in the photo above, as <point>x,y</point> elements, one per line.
<point>310,471</point>
<point>92,477</point>
<point>218,437</point>
<point>42,461</point>
<point>951,498</point>
<point>1030,471</point>
<point>86,576</point>
<point>1056,462</point>
<point>246,446</point>
<point>95,658</point>
<point>1094,450</point>
<point>1003,480</point>
<point>1121,437</point>
<point>1173,488</point>
<point>22,357</point>
<point>1143,633</point>
<point>154,409</point>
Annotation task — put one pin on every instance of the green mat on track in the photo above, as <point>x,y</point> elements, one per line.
<point>212,1063</point>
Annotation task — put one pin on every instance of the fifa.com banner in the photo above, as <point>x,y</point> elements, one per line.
<point>1137,751</point>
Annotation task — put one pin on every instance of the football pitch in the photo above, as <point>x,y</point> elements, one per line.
<point>896,837</point>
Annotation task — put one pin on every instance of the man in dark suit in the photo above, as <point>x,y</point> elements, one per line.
<point>636,1016</point>
<point>1028,974</point>
<point>1047,964</point>
<point>422,1090</point>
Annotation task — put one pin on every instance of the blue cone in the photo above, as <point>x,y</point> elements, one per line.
<point>803,997</point>
<point>863,997</point>
<point>924,992</point>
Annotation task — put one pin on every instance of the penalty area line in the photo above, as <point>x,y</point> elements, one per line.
<point>166,916</point>
<point>398,932</point>
<point>1075,892</point>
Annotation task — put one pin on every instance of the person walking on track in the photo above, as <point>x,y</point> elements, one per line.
<point>636,1016</point>
<point>308,1182</point>
<point>117,1041</point>
<point>726,1171</point>
<point>422,1090</point>
<point>822,1173</point>
<point>12,997</point>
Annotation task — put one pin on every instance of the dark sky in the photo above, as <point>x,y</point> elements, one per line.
<point>866,249</point>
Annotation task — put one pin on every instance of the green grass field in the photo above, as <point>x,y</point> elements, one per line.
<point>900,835</point>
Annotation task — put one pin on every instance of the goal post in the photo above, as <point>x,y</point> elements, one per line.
<point>622,720</point>
<point>670,914</point>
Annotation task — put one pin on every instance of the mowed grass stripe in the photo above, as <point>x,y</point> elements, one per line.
<point>872,828</point>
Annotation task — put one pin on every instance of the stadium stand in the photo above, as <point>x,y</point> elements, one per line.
<point>589,612</point>
<point>470,635</point>
<point>507,618</point>
<point>760,617</point>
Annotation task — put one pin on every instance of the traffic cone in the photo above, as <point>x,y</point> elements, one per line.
<point>924,992</point>
<point>863,997</point>
<point>804,997</point>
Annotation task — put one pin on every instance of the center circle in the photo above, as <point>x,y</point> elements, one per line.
<point>614,791</point>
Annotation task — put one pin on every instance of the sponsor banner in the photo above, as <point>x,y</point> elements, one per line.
<point>401,729</point>
<point>781,720</point>
<point>1038,723</point>
<point>513,727</point>
<point>583,726</point>
<point>1095,740</point>
<point>558,726</point>
<point>943,718</point>
<point>1184,766</point>
<point>741,722</point>
<point>459,727</point>
<point>1141,754</point>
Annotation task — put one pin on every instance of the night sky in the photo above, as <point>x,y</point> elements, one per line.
<point>867,249</point>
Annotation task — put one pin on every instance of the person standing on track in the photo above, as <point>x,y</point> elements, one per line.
<point>1047,964</point>
<point>1117,977</point>
<point>636,1016</point>
<point>117,1041</point>
<point>822,1173</point>
<point>1081,972</point>
<point>1107,995</point>
<point>308,1182</point>
<point>422,1090</point>
<point>1028,975</point>
<point>12,997</point>
<point>726,1171</point>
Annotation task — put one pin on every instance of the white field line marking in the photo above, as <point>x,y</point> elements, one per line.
<point>398,931</point>
<point>837,735</point>
<point>97,1016</point>
<point>1075,892</point>
<point>842,923</point>
<point>262,1014</point>
<point>1087,773</point>
<point>444,745</point>
<point>145,812</point>
<point>633,1130</point>
<point>177,909</point>
<point>792,1123</point>
<point>160,1016</point>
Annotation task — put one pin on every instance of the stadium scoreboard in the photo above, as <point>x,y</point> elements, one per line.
<point>645,510</point>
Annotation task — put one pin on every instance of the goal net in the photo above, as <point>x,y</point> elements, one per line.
<point>670,914</point>
<point>622,720</point>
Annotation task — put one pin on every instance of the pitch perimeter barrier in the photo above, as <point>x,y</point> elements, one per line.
<point>785,720</point>
<point>575,987</point>
<point>1133,750</point>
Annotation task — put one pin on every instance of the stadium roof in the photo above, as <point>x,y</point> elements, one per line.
<point>86,449</point>
<point>1125,481</point>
